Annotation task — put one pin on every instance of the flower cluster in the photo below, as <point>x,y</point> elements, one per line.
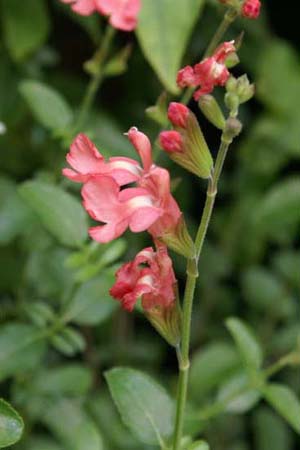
<point>121,193</point>
<point>149,205</point>
<point>122,13</point>
<point>207,74</point>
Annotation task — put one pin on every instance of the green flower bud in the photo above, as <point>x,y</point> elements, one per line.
<point>232,129</point>
<point>212,111</point>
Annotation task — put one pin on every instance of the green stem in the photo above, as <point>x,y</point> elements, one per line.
<point>97,78</point>
<point>192,275</point>
<point>229,17</point>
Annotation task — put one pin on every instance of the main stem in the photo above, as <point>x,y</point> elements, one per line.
<point>97,78</point>
<point>192,275</point>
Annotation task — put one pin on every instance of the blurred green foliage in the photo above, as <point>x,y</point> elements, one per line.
<point>59,329</point>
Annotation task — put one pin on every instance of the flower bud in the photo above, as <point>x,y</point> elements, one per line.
<point>212,111</point>
<point>244,89</point>
<point>178,114</point>
<point>187,146</point>
<point>232,102</point>
<point>251,9</point>
<point>171,141</point>
<point>232,129</point>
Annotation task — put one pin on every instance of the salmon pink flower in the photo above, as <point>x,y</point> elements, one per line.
<point>209,73</point>
<point>130,208</point>
<point>150,276</point>
<point>122,13</point>
<point>86,161</point>
<point>82,7</point>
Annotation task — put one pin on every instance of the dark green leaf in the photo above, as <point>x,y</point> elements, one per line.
<point>246,342</point>
<point>22,36</point>
<point>143,404</point>
<point>72,426</point>
<point>285,402</point>
<point>270,431</point>
<point>92,303</point>
<point>61,214</point>
<point>211,366</point>
<point>47,105</point>
<point>11,425</point>
<point>21,348</point>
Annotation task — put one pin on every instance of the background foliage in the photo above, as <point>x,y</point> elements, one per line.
<point>60,331</point>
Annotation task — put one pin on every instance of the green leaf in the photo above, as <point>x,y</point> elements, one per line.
<point>14,215</point>
<point>211,366</point>
<point>69,422</point>
<point>237,394</point>
<point>69,379</point>
<point>92,303</point>
<point>25,25</point>
<point>164,29</point>
<point>61,214</point>
<point>37,442</point>
<point>47,105</point>
<point>247,343</point>
<point>143,404</point>
<point>11,425</point>
<point>270,431</point>
<point>285,402</point>
<point>280,206</point>
<point>21,348</point>
<point>199,445</point>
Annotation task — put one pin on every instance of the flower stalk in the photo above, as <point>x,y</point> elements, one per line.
<point>192,275</point>
<point>96,66</point>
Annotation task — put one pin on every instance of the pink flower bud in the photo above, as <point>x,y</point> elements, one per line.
<point>171,141</point>
<point>251,9</point>
<point>178,114</point>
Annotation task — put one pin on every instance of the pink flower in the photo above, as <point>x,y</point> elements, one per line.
<point>209,73</point>
<point>150,276</point>
<point>171,141</point>
<point>122,13</point>
<point>86,161</point>
<point>132,208</point>
<point>82,7</point>
<point>251,9</point>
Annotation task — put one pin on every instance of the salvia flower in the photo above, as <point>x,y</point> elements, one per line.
<point>209,73</point>
<point>186,144</point>
<point>147,206</point>
<point>251,9</point>
<point>86,161</point>
<point>122,14</point>
<point>149,276</point>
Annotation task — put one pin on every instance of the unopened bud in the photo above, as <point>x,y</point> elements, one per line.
<point>171,141</point>
<point>232,102</point>
<point>178,114</point>
<point>186,144</point>
<point>232,60</point>
<point>244,89</point>
<point>251,9</point>
<point>212,111</point>
<point>232,129</point>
